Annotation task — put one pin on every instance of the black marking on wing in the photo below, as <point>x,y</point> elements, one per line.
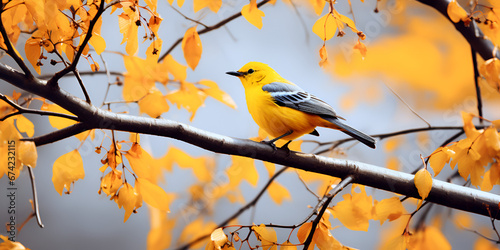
<point>292,96</point>
<point>315,133</point>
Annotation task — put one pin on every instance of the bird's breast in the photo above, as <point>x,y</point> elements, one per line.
<point>277,120</point>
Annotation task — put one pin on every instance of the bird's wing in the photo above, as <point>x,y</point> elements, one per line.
<point>292,96</point>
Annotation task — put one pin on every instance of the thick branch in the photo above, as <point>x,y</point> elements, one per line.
<point>446,194</point>
<point>472,34</point>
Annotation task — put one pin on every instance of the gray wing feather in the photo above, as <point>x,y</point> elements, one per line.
<point>294,97</point>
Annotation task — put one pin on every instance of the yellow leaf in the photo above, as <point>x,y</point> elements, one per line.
<point>390,209</point>
<point>214,5</point>
<point>25,126</point>
<point>152,194</point>
<point>462,220</point>
<point>218,239</point>
<point>242,168</point>
<point>219,95</point>
<point>177,70</point>
<point>456,12</point>
<point>325,27</point>
<point>27,153</point>
<point>354,212</point>
<point>484,244</point>
<point>132,40</point>
<point>361,48</point>
<point>423,182</point>
<point>287,245</point>
<point>267,236</point>
<point>111,182</point>
<point>202,166</point>
<point>252,14</point>
<point>153,104</point>
<point>33,49</point>
<point>429,237</point>
<point>143,164</point>
<point>98,42</point>
<point>11,245</point>
<point>192,48</point>
<point>187,96</point>
<point>130,199</point>
<point>318,6</point>
<point>439,158</point>
<point>67,169</point>
<point>271,167</point>
<point>59,122</point>
<point>160,234</point>
<point>490,70</point>
<point>278,193</point>
<point>324,56</point>
<point>195,229</point>
<point>304,231</point>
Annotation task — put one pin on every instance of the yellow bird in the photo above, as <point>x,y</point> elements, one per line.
<point>284,110</point>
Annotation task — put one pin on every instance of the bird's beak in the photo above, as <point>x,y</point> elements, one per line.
<point>235,73</point>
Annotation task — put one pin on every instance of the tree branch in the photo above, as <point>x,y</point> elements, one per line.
<point>32,111</point>
<point>442,193</point>
<point>209,28</point>
<point>472,34</point>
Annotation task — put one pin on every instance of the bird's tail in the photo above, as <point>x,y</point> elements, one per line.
<point>356,134</point>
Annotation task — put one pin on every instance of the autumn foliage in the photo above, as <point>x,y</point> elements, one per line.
<point>422,59</point>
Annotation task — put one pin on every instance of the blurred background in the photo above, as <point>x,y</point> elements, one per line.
<point>411,48</point>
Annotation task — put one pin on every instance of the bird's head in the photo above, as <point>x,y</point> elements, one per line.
<point>254,73</point>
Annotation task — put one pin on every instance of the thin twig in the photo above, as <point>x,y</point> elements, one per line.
<point>406,104</point>
<point>22,110</point>
<point>82,86</point>
<point>306,186</point>
<point>188,18</point>
<point>392,134</point>
<point>346,181</point>
<point>35,198</point>
<point>476,84</point>
<point>209,28</point>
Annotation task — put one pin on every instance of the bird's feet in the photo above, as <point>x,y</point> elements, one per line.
<point>270,143</point>
<point>285,147</point>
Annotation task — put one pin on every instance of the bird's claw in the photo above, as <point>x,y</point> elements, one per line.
<point>270,143</point>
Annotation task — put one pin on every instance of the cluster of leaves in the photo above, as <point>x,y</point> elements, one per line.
<point>480,149</point>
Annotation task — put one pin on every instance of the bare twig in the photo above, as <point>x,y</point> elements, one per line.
<point>407,105</point>
<point>346,181</point>
<point>82,86</point>
<point>188,18</point>
<point>35,197</point>
<point>209,28</point>
<point>476,85</point>
<point>22,110</point>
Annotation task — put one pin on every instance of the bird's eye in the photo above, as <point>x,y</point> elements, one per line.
<point>250,71</point>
